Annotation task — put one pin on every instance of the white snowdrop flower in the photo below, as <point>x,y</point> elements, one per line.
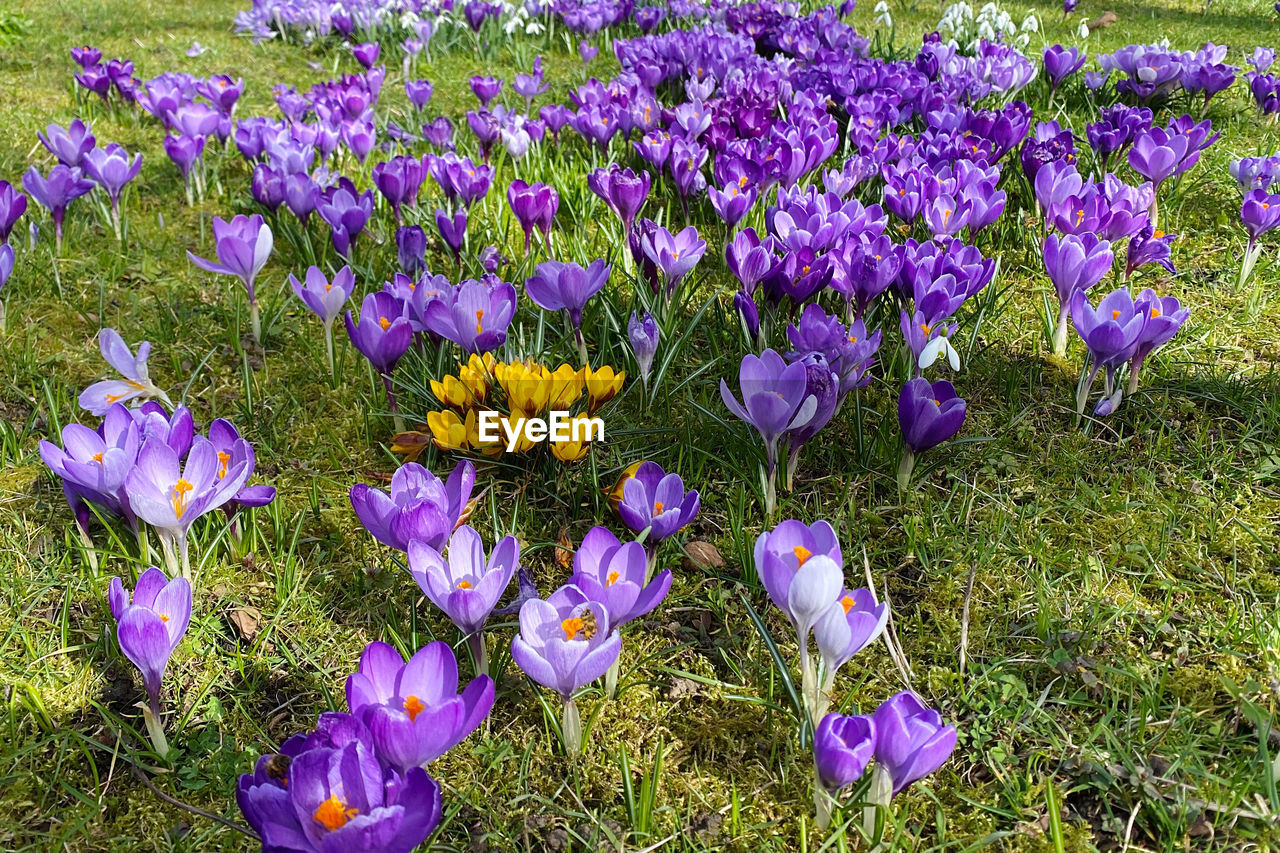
<point>534,28</point>
<point>1030,24</point>
<point>1083,32</point>
<point>937,348</point>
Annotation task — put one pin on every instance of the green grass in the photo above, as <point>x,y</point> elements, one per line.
<point>1122,642</point>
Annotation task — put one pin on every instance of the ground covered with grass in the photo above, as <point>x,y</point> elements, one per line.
<point>1095,607</point>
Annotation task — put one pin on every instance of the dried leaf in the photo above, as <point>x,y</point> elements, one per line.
<point>564,549</point>
<point>702,555</point>
<point>246,620</point>
<point>1103,21</point>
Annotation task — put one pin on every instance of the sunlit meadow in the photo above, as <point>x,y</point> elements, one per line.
<point>581,426</point>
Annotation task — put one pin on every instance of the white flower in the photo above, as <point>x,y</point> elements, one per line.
<point>1083,32</point>
<point>1030,24</point>
<point>534,27</point>
<point>936,348</point>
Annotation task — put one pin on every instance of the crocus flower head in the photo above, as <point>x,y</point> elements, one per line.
<point>773,397</point>
<point>622,190</point>
<point>643,334</point>
<point>12,205</point>
<point>1061,62</point>
<point>150,626</point>
<point>1076,262</point>
<point>325,297</point>
<point>93,464</point>
<point>557,286</point>
<point>656,501</point>
<point>413,709</point>
<point>613,573</point>
<point>842,749</point>
<point>929,413</point>
<point>134,382</point>
<point>534,206</point>
<point>63,186</point>
<point>1260,213</point>
<point>68,144</point>
<point>110,169</point>
<point>801,568</point>
<point>243,246</point>
<point>475,315</point>
<point>911,741</point>
<point>674,254</point>
<point>329,790</point>
<point>419,507</point>
<point>384,333</point>
<point>466,585</point>
<point>170,493</point>
<point>566,641</point>
<point>847,627</point>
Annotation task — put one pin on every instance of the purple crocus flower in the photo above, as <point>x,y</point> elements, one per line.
<point>1111,333</point>
<point>486,88</point>
<point>475,315</point>
<point>801,569</point>
<point>1075,262</point>
<point>110,169</point>
<point>243,246</point>
<point>453,230</point>
<point>561,286</point>
<point>367,53</point>
<point>411,249</point>
<point>171,494</point>
<point>466,585</point>
<point>420,507</point>
<point>226,441</point>
<point>566,641</point>
<point>383,334</point>
<point>587,52</point>
<point>347,213</point>
<point>185,151</point>
<point>68,144</point>
<point>398,179</point>
<point>150,626</point>
<point>622,190</point>
<point>134,382</point>
<point>86,56</point>
<point>6,269</point>
<point>643,334</point>
<point>1149,247</point>
<point>929,413</point>
<point>413,709</point>
<point>656,501</point>
<point>1164,317</point>
<point>617,575</point>
<point>12,205</point>
<point>848,626</point>
<point>1260,213</point>
<point>329,791</point>
<point>534,206</point>
<point>842,749</point>
<point>96,79</point>
<point>911,741</point>
<point>63,186</point>
<point>676,255</point>
<point>93,464</point>
<point>774,400</point>
<point>301,195</point>
<point>325,297</point>
<point>419,92</point>
<point>1060,63</point>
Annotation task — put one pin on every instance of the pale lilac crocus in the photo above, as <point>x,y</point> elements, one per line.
<point>466,585</point>
<point>243,246</point>
<point>111,169</point>
<point>326,298</point>
<point>134,382</point>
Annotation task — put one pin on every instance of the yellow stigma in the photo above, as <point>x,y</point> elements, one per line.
<point>742,182</point>
<point>179,499</point>
<point>333,813</point>
<point>413,705</point>
<point>675,256</point>
<point>384,322</point>
<point>657,507</point>
<point>328,287</point>
<point>479,318</point>
<point>1157,234</point>
<point>1155,312</point>
<point>464,584</point>
<point>164,617</point>
<point>572,627</point>
<point>1079,216</point>
<point>802,554</point>
<point>852,339</point>
<point>938,403</point>
<point>97,457</point>
<point>926,328</point>
<point>847,603</point>
<point>1115,314</point>
<point>223,458</point>
<point>612,579</point>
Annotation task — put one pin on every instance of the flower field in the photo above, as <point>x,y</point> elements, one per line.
<point>584,425</point>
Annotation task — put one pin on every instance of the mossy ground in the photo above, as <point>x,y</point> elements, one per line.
<point>1122,659</point>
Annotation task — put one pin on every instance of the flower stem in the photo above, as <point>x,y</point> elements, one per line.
<point>328,347</point>
<point>571,727</point>
<point>255,321</point>
<point>480,652</point>
<point>90,554</point>
<point>611,679</point>
<point>823,802</point>
<point>878,797</point>
<point>905,467</point>
<point>1060,333</point>
<point>155,728</point>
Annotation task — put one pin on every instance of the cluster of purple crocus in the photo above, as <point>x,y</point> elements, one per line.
<point>147,464</point>
<point>359,780</point>
<point>81,165</point>
<point>570,638</point>
<point>12,205</point>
